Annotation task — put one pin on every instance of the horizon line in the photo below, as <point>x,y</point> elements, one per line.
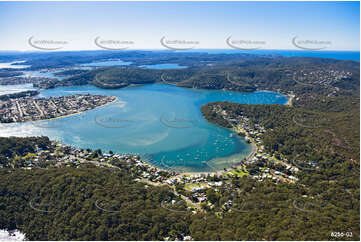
<point>190,50</point>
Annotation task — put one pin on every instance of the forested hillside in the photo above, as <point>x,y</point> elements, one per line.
<point>86,201</point>
<point>326,134</point>
<point>86,204</point>
<point>299,75</point>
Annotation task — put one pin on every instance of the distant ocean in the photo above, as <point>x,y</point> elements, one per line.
<point>340,55</point>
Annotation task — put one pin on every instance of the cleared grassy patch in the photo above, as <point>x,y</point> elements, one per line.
<point>239,172</point>
<point>190,186</point>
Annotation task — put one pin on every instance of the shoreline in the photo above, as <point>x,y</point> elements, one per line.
<point>63,116</point>
<point>290,100</point>
<point>237,165</point>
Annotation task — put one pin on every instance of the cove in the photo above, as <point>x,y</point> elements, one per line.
<point>160,122</point>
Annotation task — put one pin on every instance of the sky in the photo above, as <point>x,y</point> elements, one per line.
<point>273,25</point>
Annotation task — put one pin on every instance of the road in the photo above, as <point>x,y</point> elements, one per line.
<point>19,109</point>
<point>38,108</point>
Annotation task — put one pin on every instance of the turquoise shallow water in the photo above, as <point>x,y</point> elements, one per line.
<point>162,123</point>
